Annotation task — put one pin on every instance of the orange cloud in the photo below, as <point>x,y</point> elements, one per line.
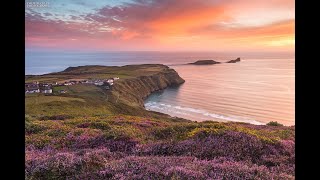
<point>186,20</point>
<point>171,25</point>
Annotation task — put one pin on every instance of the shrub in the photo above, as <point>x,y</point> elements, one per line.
<point>236,145</point>
<point>59,132</point>
<point>205,132</point>
<point>274,123</point>
<point>33,127</point>
<point>126,147</point>
<point>65,165</point>
<point>177,132</point>
<point>56,117</point>
<point>28,118</point>
<point>263,135</point>
<point>38,141</point>
<point>100,125</point>
<point>232,144</point>
<point>153,167</point>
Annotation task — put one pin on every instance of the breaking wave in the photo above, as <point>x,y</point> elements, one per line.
<point>198,114</point>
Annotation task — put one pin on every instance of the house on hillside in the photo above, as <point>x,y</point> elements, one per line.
<point>60,84</point>
<point>110,81</point>
<point>62,91</point>
<point>74,82</point>
<point>46,89</point>
<point>44,84</point>
<point>32,88</point>
<point>67,83</point>
<point>98,83</point>
<point>89,82</point>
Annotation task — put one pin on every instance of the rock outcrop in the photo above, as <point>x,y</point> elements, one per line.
<point>205,62</point>
<point>234,61</point>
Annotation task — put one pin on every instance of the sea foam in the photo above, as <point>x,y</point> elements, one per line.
<point>200,114</point>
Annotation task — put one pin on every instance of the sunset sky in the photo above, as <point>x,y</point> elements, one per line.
<point>161,25</point>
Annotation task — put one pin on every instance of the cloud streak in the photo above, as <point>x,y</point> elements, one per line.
<point>167,25</point>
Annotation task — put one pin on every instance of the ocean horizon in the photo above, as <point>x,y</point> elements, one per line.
<point>48,61</point>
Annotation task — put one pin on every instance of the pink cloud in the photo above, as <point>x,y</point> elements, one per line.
<point>162,22</point>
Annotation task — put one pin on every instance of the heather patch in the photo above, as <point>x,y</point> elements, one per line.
<point>131,147</point>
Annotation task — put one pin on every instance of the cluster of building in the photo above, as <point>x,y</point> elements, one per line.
<point>36,87</point>
<point>101,82</point>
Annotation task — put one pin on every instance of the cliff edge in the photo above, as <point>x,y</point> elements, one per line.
<point>133,91</point>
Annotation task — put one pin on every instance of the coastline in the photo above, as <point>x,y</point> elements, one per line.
<point>90,133</point>
<point>126,95</point>
<point>132,91</point>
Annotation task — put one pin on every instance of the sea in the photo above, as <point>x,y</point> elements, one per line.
<point>257,90</point>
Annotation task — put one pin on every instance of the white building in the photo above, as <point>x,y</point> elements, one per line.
<point>62,91</point>
<point>46,90</point>
<point>32,88</point>
<point>68,84</point>
<point>98,83</point>
<point>110,81</point>
<point>32,91</point>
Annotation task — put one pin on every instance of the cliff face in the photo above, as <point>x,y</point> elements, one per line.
<point>133,91</point>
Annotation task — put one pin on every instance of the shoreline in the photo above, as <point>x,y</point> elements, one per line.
<point>214,117</point>
<point>135,91</point>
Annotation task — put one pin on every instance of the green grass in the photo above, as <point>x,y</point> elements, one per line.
<point>56,89</point>
<point>80,100</point>
<point>97,72</point>
<point>40,99</point>
<point>42,79</point>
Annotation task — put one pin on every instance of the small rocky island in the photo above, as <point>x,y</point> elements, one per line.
<point>210,62</point>
<point>234,61</point>
<point>205,62</point>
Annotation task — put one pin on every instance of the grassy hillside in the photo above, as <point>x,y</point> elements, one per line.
<point>91,133</point>
<point>98,72</point>
<point>90,100</point>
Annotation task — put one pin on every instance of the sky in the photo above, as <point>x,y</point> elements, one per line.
<point>161,25</point>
